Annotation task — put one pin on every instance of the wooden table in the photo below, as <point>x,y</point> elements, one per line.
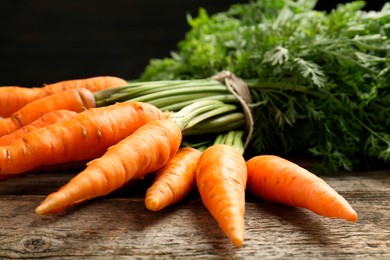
<point>119,226</point>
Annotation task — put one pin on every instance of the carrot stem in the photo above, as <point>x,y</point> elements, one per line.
<point>170,92</point>
<point>179,101</point>
<point>142,91</point>
<point>232,138</point>
<point>227,122</point>
<point>174,106</point>
<point>195,113</point>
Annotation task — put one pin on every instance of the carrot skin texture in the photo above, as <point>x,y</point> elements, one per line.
<point>46,119</point>
<point>275,179</point>
<point>76,100</point>
<point>221,177</point>
<point>93,84</point>
<point>84,137</point>
<point>13,98</point>
<point>144,151</point>
<point>174,180</point>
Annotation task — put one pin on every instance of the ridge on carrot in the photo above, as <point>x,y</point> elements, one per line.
<point>221,178</point>
<point>275,179</point>
<point>93,130</point>
<point>142,152</point>
<point>46,119</point>
<point>13,98</point>
<point>174,180</point>
<point>145,150</point>
<point>76,100</point>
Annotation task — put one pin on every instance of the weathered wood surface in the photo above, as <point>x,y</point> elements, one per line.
<point>119,226</point>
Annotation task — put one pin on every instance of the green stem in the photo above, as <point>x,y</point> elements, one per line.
<point>176,100</point>
<point>186,96</point>
<point>227,122</point>
<point>227,98</point>
<point>188,91</point>
<point>156,89</point>
<point>199,111</point>
<point>119,94</point>
<point>255,84</point>
<point>233,138</point>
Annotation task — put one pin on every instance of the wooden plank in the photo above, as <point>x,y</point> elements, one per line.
<point>118,226</point>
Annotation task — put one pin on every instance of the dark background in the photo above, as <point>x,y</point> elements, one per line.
<point>44,41</point>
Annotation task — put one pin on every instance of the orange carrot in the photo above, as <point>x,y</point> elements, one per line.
<point>85,136</point>
<point>76,100</point>
<point>278,180</point>
<point>174,180</point>
<point>46,119</point>
<point>144,151</point>
<point>13,98</point>
<point>221,178</point>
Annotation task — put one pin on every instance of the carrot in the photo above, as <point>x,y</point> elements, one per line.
<point>221,178</point>
<point>278,180</point>
<point>76,100</point>
<point>85,136</point>
<point>46,119</point>
<point>174,180</point>
<point>13,98</point>
<point>142,152</point>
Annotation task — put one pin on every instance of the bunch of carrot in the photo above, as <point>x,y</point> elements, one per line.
<point>134,131</point>
<point>12,98</point>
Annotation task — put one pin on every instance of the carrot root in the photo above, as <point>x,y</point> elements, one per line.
<point>275,179</point>
<point>13,98</point>
<point>76,100</point>
<point>84,137</point>
<point>46,119</point>
<point>144,151</point>
<point>93,84</point>
<point>221,178</point>
<point>174,180</point>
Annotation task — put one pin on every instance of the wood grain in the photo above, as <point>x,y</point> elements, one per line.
<point>119,225</point>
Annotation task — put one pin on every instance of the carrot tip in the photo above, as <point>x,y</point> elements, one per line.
<point>353,217</point>
<point>46,207</point>
<point>237,241</point>
<point>152,204</point>
<point>41,210</point>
